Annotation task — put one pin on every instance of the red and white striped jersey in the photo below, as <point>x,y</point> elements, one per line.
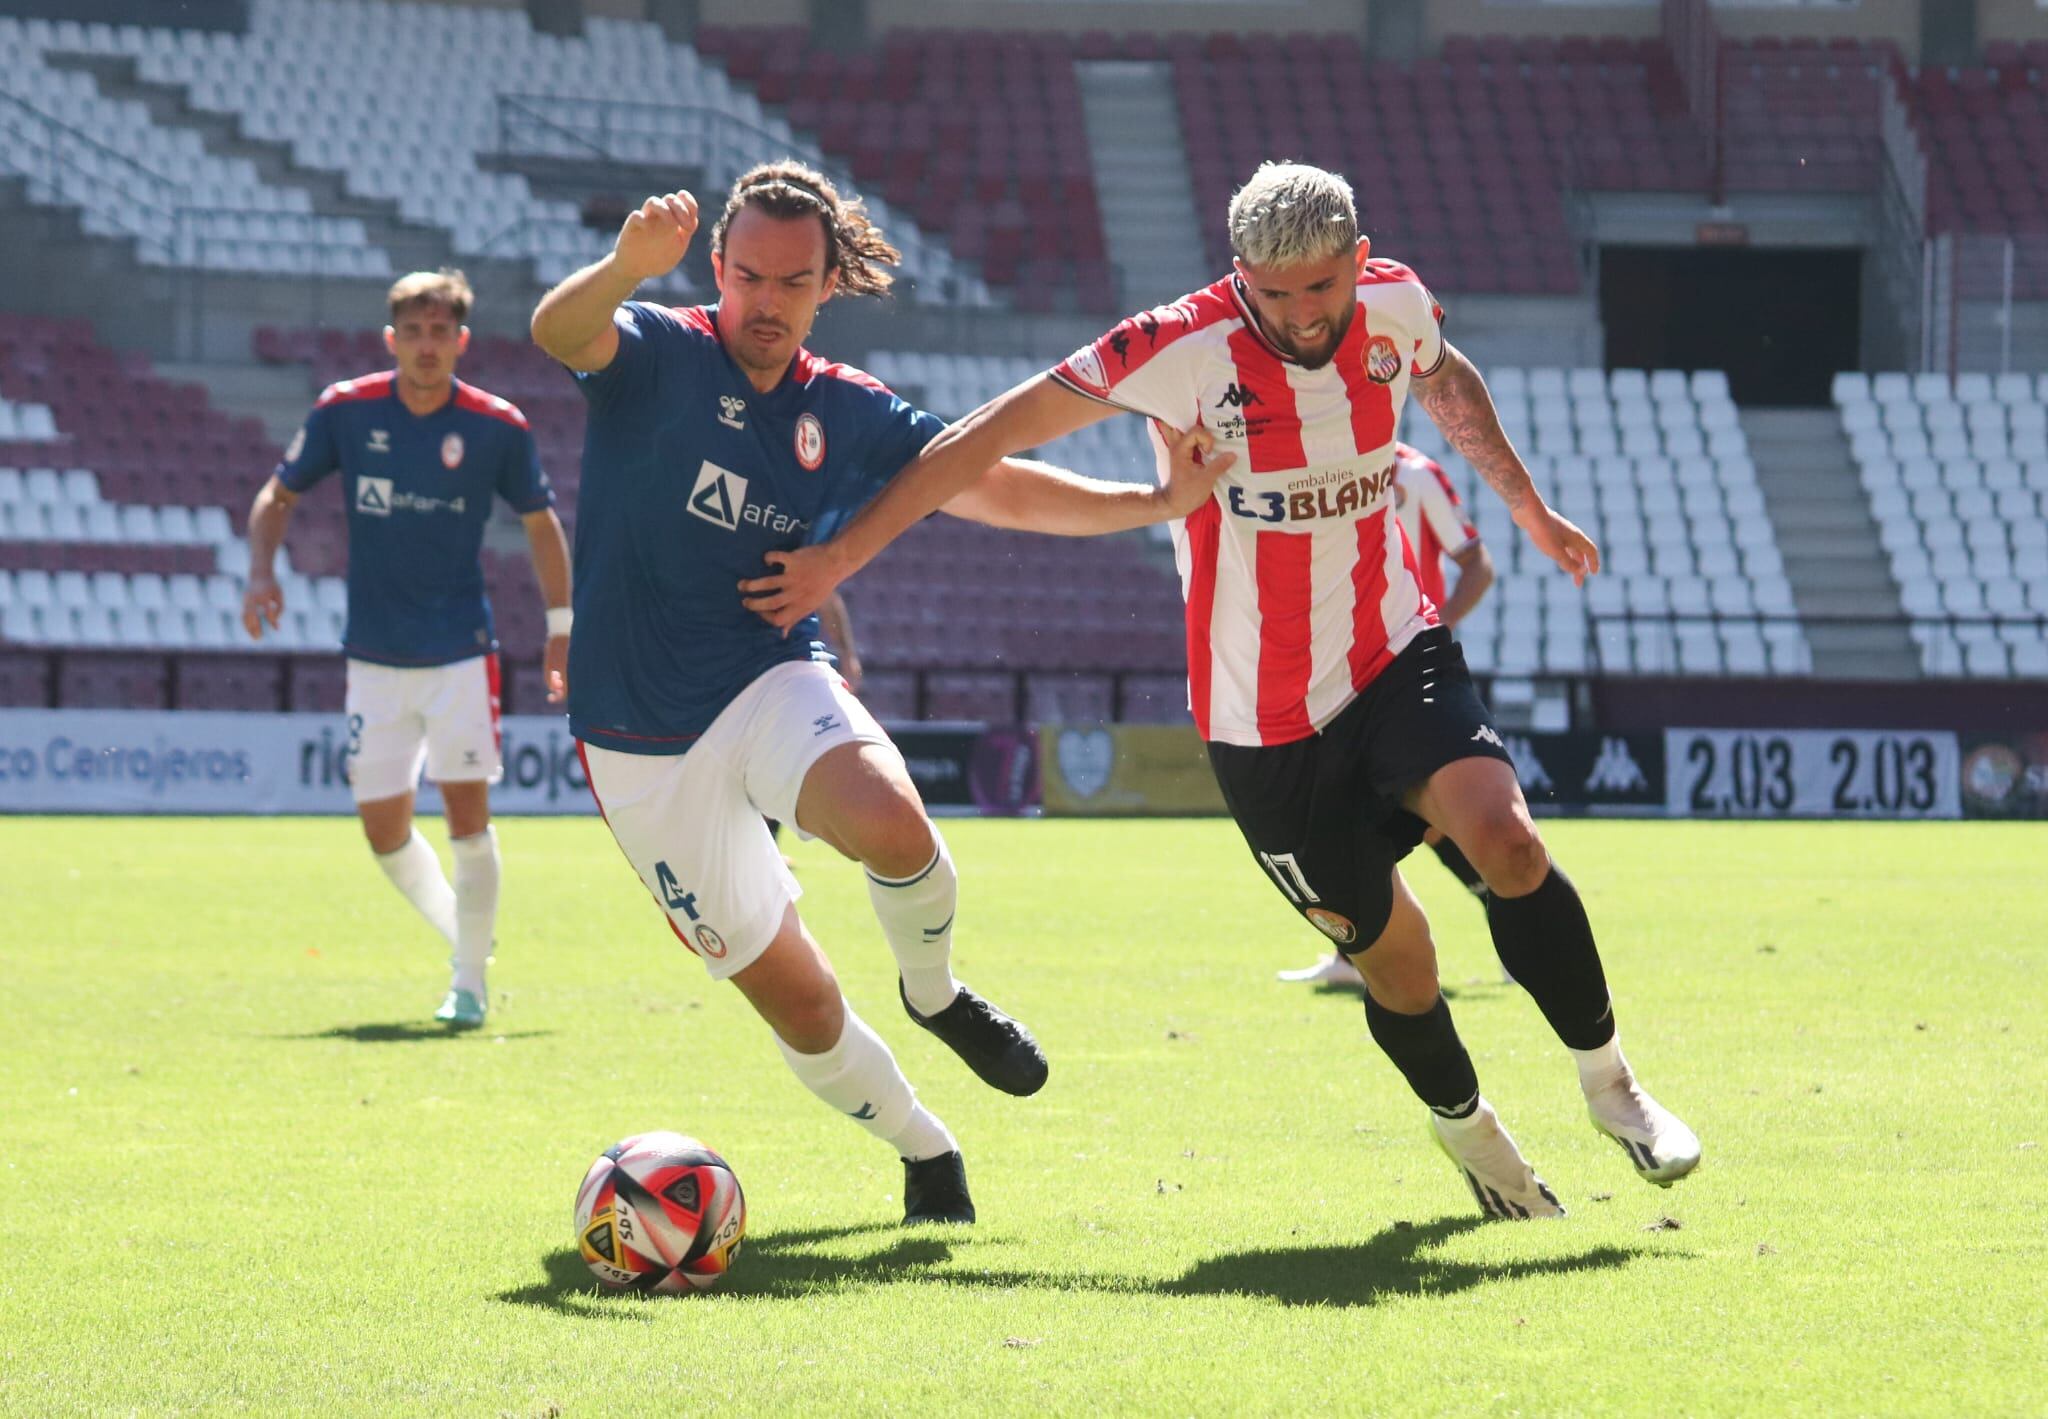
<point>1300,587</point>
<point>1432,515</point>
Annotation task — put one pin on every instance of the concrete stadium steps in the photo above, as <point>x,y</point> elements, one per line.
<point>1141,180</point>
<point>1830,544</point>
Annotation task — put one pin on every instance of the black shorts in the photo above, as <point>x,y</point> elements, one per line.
<point>1323,815</point>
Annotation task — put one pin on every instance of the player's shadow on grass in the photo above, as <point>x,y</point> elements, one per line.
<point>1395,1263</point>
<point>781,1264</point>
<point>400,1032</point>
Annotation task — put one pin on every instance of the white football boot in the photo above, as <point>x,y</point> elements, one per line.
<point>1502,1182</point>
<point>1661,1148</point>
<point>1333,969</point>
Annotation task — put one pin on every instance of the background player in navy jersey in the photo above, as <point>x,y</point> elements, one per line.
<point>422,455</point>
<point>714,438</point>
<point>1339,714</point>
<point>1432,519</point>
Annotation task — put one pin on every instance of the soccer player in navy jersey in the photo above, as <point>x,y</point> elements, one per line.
<point>421,456</point>
<point>714,438</point>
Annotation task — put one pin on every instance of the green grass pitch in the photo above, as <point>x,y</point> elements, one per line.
<point>240,1173</point>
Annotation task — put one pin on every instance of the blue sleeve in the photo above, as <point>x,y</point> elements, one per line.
<point>312,453</point>
<point>520,479</point>
<point>643,331</point>
<point>899,438</point>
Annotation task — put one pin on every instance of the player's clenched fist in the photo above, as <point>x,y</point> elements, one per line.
<point>654,238</point>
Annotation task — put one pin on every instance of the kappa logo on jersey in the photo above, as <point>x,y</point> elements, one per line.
<point>720,497</point>
<point>1237,396</point>
<point>1382,360</point>
<point>1331,493</point>
<point>810,442</point>
<point>380,441</point>
<point>451,452</point>
<point>373,496</point>
<point>672,894</point>
<point>732,411</point>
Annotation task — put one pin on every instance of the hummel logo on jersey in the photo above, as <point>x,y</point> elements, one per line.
<point>732,411</point>
<point>1616,770</point>
<point>824,722</point>
<point>380,441</point>
<point>1236,396</point>
<point>1487,734</point>
<point>373,496</point>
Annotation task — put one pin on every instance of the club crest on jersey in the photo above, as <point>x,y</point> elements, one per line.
<point>1382,360</point>
<point>1086,366</point>
<point>732,411</point>
<point>810,442</point>
<point>451,452</point>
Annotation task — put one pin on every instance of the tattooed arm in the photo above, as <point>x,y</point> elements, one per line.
<point>1455,398</point>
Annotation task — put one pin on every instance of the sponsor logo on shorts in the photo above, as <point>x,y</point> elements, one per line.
<point>451,452</point>
<point>710,942</point>
<point>1338,927</point>
<point>810,442</point>
<point>1382,360</point>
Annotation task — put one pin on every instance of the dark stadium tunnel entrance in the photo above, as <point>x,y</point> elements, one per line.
<point>1781,322</point>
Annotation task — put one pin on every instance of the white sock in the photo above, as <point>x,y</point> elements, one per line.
<point>416,872</point>
<point>476,907</point>
<point>1601,1067</point>
<point>858,1077</point>
<point>916,913</point>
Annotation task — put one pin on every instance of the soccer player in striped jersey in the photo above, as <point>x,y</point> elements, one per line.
<point>715,440</point>
<point>1340,718</point>
<point>423,456</point>
<point>1432,518</point>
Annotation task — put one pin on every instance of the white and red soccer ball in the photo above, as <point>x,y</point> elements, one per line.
<point>661,1213</point>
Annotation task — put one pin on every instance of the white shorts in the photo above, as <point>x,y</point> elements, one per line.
<point>442,716</point>
<point>692,824</point>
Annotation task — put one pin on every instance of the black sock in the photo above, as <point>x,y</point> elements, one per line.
<point>774,829</point>
<point>1453,857</point>
<point>1427,1050</point>
<point>1546,943</point>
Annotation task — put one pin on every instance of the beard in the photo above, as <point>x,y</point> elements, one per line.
<point>1321,354</point>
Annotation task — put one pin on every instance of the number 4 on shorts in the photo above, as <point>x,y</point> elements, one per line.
<point>1287,872</point>
<point>672,894</point>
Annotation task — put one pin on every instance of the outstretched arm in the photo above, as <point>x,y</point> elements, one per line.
<point>1456,401</point>
<point>1036,497</point>
<point>551,567</point>
<point>1035,412</point>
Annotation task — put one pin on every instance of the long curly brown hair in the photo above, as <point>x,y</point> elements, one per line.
<point>854,245</point>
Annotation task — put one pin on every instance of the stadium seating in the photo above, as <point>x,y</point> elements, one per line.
<point>1958,482</point>
<point>181,205</point>
<point>977,132</point>
<point>1654,466</point>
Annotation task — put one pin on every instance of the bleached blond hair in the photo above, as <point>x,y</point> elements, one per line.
<point>1290,213</point>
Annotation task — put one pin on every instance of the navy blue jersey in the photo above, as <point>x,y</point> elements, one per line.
<point>418,489</point>
<point>691,475</point>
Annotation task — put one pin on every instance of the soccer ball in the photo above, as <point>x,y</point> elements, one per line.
<point>660,1212</point>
